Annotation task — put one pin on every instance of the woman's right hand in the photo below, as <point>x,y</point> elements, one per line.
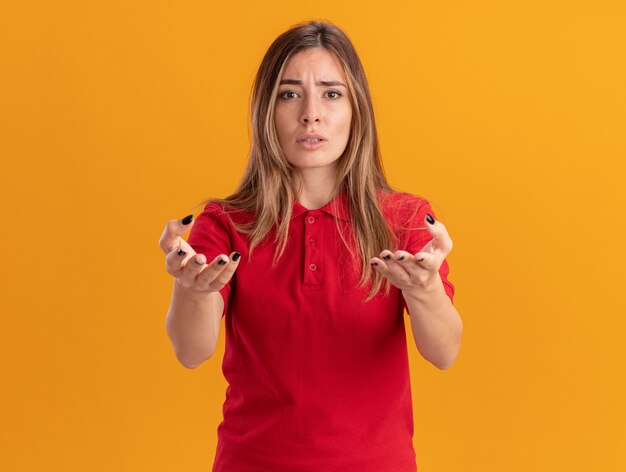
<point>190,269</point>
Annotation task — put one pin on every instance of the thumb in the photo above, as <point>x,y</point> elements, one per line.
<point>174,228</point>
<point>433,226</point>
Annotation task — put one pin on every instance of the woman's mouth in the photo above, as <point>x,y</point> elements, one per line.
<point>311,143</point>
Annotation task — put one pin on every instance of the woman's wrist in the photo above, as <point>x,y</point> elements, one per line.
<point>190,293</point>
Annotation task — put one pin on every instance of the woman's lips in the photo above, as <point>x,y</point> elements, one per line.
<point>310,144</point>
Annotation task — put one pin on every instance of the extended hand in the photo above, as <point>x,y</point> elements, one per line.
<point>420,271</point>
<point>201,276</point>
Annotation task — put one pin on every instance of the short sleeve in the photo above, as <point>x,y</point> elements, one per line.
<point>417,236</point>
<point>210,235</point>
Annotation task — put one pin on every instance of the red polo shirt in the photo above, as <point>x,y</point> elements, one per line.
<point>318,379</point>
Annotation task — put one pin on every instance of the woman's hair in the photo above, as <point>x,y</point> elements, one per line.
<point>267,187</point>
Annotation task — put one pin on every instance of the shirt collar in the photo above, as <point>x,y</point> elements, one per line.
<point>342,210</point>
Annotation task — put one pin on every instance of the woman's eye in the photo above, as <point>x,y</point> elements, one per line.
<point>333,94</point>
<point>282,95</point>
<point>339,94</point>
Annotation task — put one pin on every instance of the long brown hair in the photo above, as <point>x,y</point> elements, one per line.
<point>267,187</point>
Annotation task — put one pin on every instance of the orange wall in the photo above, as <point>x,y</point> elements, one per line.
<point>117,116</point>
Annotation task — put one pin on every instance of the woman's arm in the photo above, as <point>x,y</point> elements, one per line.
<point>193,324</point>
<point>195,313</point>
<point>436,324</point>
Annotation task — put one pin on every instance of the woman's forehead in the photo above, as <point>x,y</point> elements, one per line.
<point>320,62</point>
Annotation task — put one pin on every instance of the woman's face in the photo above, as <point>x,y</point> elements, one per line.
<point>313,99</point>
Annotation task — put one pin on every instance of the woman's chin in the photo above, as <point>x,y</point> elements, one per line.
<point>312,162</point>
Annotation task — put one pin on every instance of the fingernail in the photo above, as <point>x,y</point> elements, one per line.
<point>374,263</point>
<point>181,252</point>
<point>221,261</point>
<point>420,260</point>
<point>187,219</point>
<point>236,256</point>
<point>198,262</point>
<point>400,258</point>
<point>430,219</point>
<point>387,257</point>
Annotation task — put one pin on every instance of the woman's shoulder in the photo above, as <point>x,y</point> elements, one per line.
<point>404,212</point>
<point>218,208</point>
<point>399,203</point>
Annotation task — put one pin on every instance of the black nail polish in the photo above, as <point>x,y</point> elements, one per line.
<point>387,257</point>
<point>374,263</point>
<point>420,260</point>
<point>400,258</point>
<point>221,261</point>
<point>236,256</point>
<point>181,252</point>
<point>430,219</point>
<point>187,219</point>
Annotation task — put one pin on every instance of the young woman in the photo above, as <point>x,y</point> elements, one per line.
<point>312,262</point>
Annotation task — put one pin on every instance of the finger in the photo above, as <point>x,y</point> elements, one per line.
<point>379,265</point>
<point>405,259</point>
<point>394,263</point>
<point>176,260</point>
<point>428,261</point>
<point>402,257</point>
<point>172,232</point>
<point>191,268</point>
<point>217,275</point>
<point>390,267</point>
<point>441,241</point>
<point>417,270</point>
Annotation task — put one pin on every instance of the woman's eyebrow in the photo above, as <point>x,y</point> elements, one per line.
<point>325,83</point>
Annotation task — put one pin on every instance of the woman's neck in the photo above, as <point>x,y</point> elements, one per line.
<point>316,186</point>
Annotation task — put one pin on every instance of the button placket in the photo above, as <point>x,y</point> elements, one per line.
<point>312,235</point>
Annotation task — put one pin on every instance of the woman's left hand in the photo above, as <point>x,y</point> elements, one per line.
<point>420,272</point>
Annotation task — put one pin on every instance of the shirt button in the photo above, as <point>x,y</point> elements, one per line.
<point>313,267</point>
<point>311,219</point>
<point>312,242</point>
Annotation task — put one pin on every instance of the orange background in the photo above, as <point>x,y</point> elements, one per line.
<point>117,116</point>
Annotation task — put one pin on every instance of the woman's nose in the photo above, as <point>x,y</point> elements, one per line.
<point>311,110</point>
